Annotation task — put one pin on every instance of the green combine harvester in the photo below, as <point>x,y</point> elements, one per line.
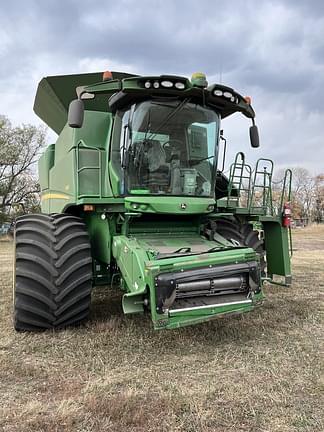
<point>134,195</point>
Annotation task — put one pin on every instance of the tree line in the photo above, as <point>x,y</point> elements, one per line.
<point>307,196</point>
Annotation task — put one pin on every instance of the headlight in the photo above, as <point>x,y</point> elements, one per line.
<point>228,95</point>
<point>218,93</point>
<point>179,85</point>
<point>156,84</point>
<point>147,84</point>
<point>167,84</point>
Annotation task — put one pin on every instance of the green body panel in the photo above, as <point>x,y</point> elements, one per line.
<point>62,176</point>
<point>131,259</point>
<point>114,179</point>
<point>76,167</point>
<point>136,259</point>
<point>46,162</point>
<point>277,248</point>
<point>100,236</point>
<point>169,204</point>
<point>56,202</point>
<point>100,233</point>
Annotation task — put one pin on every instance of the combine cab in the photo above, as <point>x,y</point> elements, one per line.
<point>132,193</point>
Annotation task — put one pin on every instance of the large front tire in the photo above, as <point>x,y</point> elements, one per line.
<point>53,271</point>
<point>243,235</point>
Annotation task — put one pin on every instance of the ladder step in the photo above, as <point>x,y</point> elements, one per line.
<point>241,177</point>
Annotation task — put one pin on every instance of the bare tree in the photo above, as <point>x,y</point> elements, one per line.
<point>307,194</point>
<point>303,188</point>
<point>19,150</point>
<point>319,198</point>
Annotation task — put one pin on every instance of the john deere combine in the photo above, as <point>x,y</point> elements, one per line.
<point>134,193</point>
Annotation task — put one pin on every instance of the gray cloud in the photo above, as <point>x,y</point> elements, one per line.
<point>273,50</point>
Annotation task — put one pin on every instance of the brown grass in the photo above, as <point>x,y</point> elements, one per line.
<point>254,372</point>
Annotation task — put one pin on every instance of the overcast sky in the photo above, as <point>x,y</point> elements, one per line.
<point>270,50</point>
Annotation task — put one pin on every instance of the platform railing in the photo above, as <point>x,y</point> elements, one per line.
<point>261,194</point>
<point>239,180</point>
<point>252,190</point>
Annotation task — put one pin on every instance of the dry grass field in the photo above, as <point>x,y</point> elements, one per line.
<point>255,372</point>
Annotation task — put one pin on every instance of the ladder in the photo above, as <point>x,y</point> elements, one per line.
<point>261,192</point>
<point>239,187</point>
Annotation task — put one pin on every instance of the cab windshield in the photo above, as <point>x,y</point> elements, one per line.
<point>169,148</point>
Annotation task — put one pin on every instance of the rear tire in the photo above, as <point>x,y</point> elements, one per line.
<point>53,271</point>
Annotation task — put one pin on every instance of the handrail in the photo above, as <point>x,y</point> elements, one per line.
<point>258,203</point>
<point>286,192</point>
<point>82,145</point>
<point>244,172</point>
<point>288,175</point>
<point>266,178</point>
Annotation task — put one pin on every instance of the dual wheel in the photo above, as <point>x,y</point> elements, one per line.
<point>52,272</point>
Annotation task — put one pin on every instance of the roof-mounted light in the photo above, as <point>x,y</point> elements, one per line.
<point>163,83</point>
<point>167,84</point>
<point>218,93</point>
<point>179,85</point>
<point>226,94</point>
<point>248,99</point>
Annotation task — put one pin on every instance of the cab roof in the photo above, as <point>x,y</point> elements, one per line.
<point>55,93</point>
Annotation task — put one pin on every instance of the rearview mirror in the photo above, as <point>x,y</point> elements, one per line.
<point>254,136</point>
<point>76,113</point>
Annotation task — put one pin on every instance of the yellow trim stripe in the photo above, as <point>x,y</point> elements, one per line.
<point>55,196</point>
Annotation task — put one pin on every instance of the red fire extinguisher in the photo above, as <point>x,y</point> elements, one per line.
<point>286,215</point>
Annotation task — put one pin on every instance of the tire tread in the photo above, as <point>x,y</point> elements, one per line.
<point>59,294</point>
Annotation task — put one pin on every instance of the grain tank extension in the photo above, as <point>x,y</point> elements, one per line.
<point>134,194</point>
